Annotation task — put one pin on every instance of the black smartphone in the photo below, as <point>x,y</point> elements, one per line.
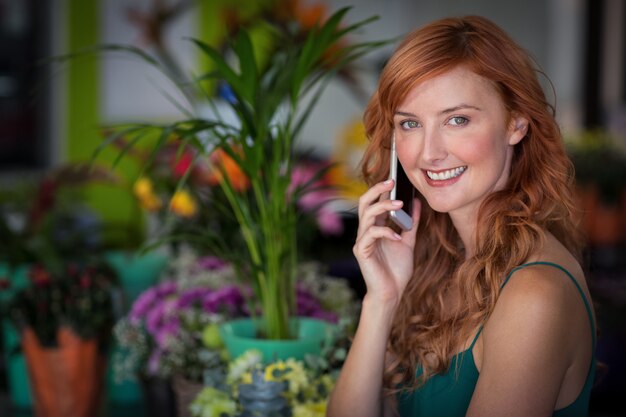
<point>402,190</point>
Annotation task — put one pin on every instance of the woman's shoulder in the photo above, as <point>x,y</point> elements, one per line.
<point>540,331</point>
<point>551,275</point>
<point>544,301</point>
<point>551,281</point>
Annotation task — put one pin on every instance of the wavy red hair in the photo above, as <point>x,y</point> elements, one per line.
<point>511,223</point>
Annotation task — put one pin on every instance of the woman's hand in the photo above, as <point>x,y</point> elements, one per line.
<point>385,257</point>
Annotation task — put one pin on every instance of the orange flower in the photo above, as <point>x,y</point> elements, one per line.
<point>309,16</point>
<point>221,161</point>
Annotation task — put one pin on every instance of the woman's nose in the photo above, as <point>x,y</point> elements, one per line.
<point>434,147</point>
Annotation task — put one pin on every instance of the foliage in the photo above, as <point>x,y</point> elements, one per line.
<point>599,161</point>
<point>80,298</point>
<point>176,206</point>
<point>266,103</point>
<point>172,326</point>
<point>298,388</point>
<point>46,230</point>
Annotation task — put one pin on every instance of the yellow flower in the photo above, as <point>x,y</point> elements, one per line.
<point>183,204</point>
<point>145,194</point>
<point>142,187</point>
<point>310,409</point>
<point>246,378</point>
<point>291,371</point>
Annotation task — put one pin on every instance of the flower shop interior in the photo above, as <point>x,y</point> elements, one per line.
<point>131,235</point>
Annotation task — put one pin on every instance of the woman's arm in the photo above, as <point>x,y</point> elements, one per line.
<point>358,391</point>
<point>386,262</point>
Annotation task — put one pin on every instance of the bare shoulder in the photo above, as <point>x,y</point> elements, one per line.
<point>536,345</point>
<point>546,291</point>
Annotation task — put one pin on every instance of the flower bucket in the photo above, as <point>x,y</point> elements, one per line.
<point>158,397</point>
<point>67,380</point>
<point>241,335</point>
<point>17,376</point>
<point>185,392</point>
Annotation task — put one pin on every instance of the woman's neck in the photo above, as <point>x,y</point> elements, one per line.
<point>465,225</point>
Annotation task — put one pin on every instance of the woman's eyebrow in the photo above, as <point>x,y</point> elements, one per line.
<point>459,107</point>
<point>445,111</point>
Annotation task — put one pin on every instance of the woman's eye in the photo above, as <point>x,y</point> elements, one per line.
<point>409,124</point>
<point>458,121</point>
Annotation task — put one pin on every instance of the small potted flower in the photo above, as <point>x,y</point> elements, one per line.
<point>61,303</point>
<point>599,159</point>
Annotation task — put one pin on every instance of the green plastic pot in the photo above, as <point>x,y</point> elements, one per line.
<point>312,335</point>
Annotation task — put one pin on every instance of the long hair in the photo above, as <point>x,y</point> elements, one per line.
<point>538,196</point>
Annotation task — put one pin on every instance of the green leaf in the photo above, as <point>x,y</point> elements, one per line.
<point>247,65</point>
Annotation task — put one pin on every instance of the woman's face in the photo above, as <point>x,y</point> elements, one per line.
<point>455,140</point>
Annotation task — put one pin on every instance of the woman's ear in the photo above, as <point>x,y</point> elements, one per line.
<point>518,129</point>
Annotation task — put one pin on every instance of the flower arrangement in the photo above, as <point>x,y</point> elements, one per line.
<point>80,298</point>
<point>246,386</point>
<point>171,328</point>
<point>175,203</point>
<point>281,388</point>
<point>600,161</point>
<point>56,239</point>
<point>163,332</point>
<point>265,115</point>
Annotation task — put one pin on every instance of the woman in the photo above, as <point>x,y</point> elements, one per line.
<point>482,308</point>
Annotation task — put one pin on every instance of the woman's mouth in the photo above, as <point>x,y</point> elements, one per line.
<point>447,174</point>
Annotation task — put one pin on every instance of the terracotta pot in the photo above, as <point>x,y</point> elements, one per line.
<point>66,381</point>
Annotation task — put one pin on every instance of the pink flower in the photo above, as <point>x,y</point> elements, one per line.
<point>329,221</point>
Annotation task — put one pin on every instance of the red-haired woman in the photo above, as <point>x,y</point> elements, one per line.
<point>481,309</point>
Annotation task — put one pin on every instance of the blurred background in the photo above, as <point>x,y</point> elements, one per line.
<point>53,115</point>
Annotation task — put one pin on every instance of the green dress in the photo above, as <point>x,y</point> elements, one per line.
<point>450,394</point>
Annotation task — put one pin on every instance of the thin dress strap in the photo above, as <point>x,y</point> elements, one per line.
<point>580,290</point>
<point>571,277</point>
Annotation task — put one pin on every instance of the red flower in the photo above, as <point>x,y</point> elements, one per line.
<point>39,276</point>
<point>4,283</point>
<point>180,165</point>
<point>85,280</point>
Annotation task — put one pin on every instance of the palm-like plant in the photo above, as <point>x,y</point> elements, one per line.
<point>267,101</point>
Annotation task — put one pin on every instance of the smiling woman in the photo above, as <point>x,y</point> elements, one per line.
<point>482,308</point>
<point>456,146</point>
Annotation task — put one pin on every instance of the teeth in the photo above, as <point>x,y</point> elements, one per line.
<point>446,175</point>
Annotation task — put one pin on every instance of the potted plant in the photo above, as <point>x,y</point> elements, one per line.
<point>61,306</point>
<point>600,167</point>
<point>266,103</point>
<point>170,333</point>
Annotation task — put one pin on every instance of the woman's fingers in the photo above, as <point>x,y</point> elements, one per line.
<point>409,236</point>
<point>365,245</point>
<point>372,195</point>
<point>375,214</point>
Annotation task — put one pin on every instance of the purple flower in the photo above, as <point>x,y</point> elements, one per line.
<point>142,305</point>
<point>191,296</point>
<point>146,300</point>
<point>228,298</point>
<point>166,288</point>
<point>309,306</point>
<point>211,263</point>
<point>154,318</point>
<point>170,328</point>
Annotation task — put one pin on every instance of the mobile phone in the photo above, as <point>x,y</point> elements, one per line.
<point>402,190</point>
